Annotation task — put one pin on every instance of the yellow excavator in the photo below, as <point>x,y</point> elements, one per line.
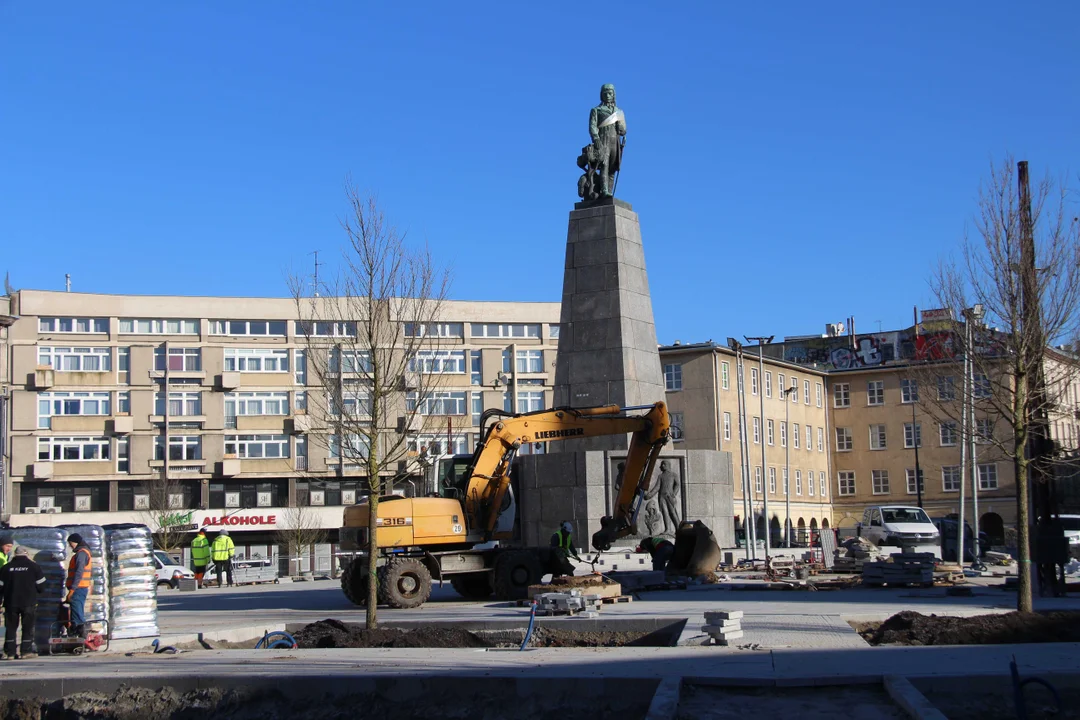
<point>459,533</point>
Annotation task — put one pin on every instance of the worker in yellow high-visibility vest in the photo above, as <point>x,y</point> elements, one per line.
<point>222,552</point>
<point>200,555</point>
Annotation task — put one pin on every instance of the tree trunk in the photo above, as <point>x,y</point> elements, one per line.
<point>373,556</point>
<point>1020,466</point>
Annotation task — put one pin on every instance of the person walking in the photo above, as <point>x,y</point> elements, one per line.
<point>78,582</point>
<point>21,582</point>
<point>200,556</point>
<point>222,552</point>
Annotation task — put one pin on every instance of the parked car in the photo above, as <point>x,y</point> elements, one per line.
<point>947,527</point>
<point>898,526</point>
<point>168,572</point>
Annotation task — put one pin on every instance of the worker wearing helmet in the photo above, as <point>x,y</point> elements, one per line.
<point>222,551</point>
<point>563,544</point>
<point>661,549</point>
<point>200,555</point>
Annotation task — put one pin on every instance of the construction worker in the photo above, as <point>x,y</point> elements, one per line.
<point>78,582</point>
<point>6,545</point>
<point>200,555</point>
<point>21,581</point>
<point>222,552</point>
<point>563,543</point>
<point>661,549</point>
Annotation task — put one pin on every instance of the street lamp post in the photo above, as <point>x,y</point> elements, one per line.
<point>761,341</point>
<point>972,316</point>
<point>787,462</point>
<point>744,454</point>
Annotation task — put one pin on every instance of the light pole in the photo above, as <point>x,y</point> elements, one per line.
<point>972,316</point>
<point>744,453</point>
<point>787,462</point>
<point>761,422</point>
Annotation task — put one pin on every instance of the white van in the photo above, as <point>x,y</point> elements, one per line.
<point>898,526</point>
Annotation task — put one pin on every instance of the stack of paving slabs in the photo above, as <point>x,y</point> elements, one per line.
<point>854,554</point>
<point>571,602</point>
<point>47,547</point>
<point>723,626</point>
<point>132,581</point>
<point>901,569</point>
<point>97,601</point>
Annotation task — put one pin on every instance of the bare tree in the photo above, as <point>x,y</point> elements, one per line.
<point>302,530</point>
<point>370,330</point>
<point>166,516</point>
<point>1024,272</point>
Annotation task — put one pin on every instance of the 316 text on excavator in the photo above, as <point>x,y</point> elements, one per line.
<point>394,521</point>
<point>549,434</point>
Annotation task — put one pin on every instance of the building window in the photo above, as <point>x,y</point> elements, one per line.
<point>435,444</point>
<point>950,478</point>
<point>300,401</point>
<point>181,447</point>
<point>910,476</point>
<point>946,387</point>
<point>139,326</point>
<point>843,439</point>
<point>877,437</point>
<point>123,457</point>
<point>356,447</point>
<point>274,328</point>
<point>475,367</point>
<point>123,365</point>
<point>768,384</point>
<point>810,483</point>
<point>912,435</point>
<point>787,482</point>
<point>180,359</point>
<point>70,403</point>
<point>818,392</point>
<point>780,386</point>
<point>180,404</point>
<point>257,360</point>
<point>83,326</point>
<point>984,430</point>
<point>880,481</point>
<point>947,434</point>
<point>677,423</point>
<point>821,439</point>
<point>981,388</point>
<point>441,330</point>
<point>772,480</point>
<point>477,408</point>
<point>300,367</point>
<point>530,361</point>
<point>753,381</point>
<point>769,430</point>
<point>798,482</point>
<point>909,391</point>
<point>62,449</point>
<point>355,401</point>
<point>757,430</point>
<point>795,435</point>
<point>725,381</point>
<point>256,403</point>
<point>553,332</point>
<point>845,481</point>
<point>875,392</point>
<point>809,438</point>
<point>319,328</point>
<point>823,486</point>
<point>673,377</point>
<point>759,488</point>
<point>727,426</point>
<point>527,401</point>
<point>841,395</point>
<point>434,362</point>
<point>257,446</point>
<point>355,361</point>
<point>794,391</point>
<point>783,434</point>
<point>988,476</point>
<point>495,330</point>
<point>806,392</point>
<point>437,403</point>
<point>123,403</point>
<point>76,359</point>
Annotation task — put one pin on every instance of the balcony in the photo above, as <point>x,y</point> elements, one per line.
<point>277,424</point>
<point>43,470</point>
<point>160,419</point>
<point>229,380</point>
<point>175,464</point>
<point>299,424</point>
<point>122,425</point>
<point>79,423</point>
<point>156,375</point>
<point>230,467</point>
<point>44,378</point>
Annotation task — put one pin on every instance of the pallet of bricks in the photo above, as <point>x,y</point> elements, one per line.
<point>901,569</point>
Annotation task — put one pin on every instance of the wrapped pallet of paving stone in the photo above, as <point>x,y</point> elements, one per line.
<point>47,547</point>
<point>97,600</point>
<point>132,581</point>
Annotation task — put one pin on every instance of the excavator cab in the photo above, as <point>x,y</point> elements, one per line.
<point>448,476</point>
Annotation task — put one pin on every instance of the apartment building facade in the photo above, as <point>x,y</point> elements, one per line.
<point>109,394</point>
<point>702,381</point>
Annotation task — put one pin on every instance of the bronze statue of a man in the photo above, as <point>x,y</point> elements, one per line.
<point>606,125</point>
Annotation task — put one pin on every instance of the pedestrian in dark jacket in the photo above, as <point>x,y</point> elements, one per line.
<point>21,582</point>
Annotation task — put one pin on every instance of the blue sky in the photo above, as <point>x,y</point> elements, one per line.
<point>792,163</point>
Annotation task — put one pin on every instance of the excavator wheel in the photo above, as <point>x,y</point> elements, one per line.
<point>404,583</point>
<point>475,586</point>
<point>515,571</point>
<point>354,583</point>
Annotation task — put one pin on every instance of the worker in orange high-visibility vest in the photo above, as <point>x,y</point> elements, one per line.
<point>78,582</point>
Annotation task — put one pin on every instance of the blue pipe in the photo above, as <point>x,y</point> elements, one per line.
<point>529,632</point>
<point>281,639</point>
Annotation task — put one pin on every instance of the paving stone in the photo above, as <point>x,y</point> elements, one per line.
<point>711,615</point>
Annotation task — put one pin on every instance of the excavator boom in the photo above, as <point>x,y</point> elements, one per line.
<point>489,473</point>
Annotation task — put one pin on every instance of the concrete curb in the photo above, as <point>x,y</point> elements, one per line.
<point>665,702</point>
<point>908,697</point>
<point>237,634</point>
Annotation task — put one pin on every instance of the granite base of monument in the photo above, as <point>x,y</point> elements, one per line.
<point>581,487</point>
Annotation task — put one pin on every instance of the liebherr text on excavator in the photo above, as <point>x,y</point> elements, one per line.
<point>461,532</point>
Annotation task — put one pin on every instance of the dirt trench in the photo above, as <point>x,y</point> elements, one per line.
<point>912,628</point>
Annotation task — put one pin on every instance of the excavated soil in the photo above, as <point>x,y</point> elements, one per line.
<point>336,634</point>
<point>573,582</point>
<point>912,628</point>
<point>247,704</point>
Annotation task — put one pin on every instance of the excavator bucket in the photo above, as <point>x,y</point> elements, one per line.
<point>696,550</point>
